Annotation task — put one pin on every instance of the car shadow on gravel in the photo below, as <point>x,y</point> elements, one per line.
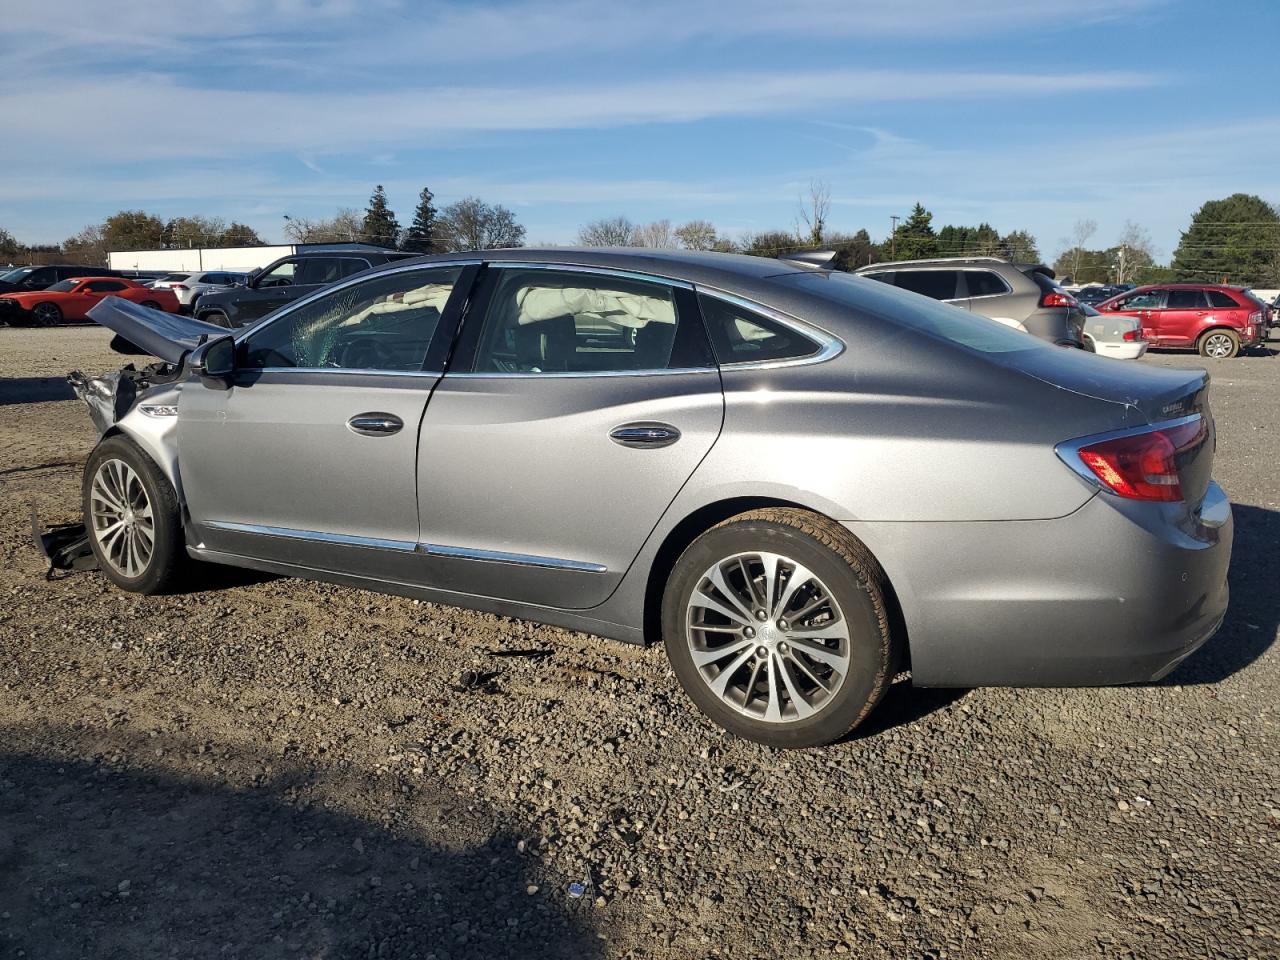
<point>903,705</point>
<point>1253,615</point>
<point>98,861</point>
<point>34,390</point>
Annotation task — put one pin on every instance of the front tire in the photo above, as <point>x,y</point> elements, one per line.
<point>1219,344</point>
<point>776,623</point>
<point>151,305</point>
<point>46,314</point>
<point>132,517</point>
<point>216,317</point>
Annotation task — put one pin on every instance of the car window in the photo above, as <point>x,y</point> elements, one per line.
<point>46,275</point>
<point>175,277</point>
<point>19,273</point>
<point>383,323</point>
<point>739,335</point>
<point>281,275</point>
<point>63,286</point>
<point>1185,300</point>
<point>549,321</point>
<point>320,270</point>
<point>885,276</point>
<point>1221,300</point>
<point>985,283</point>
<point>104,286</point>
<point>1147,300</point>
<point>938,284</point>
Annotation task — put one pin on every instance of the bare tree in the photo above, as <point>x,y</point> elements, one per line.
<point>608,232</point>
<point>697,235</point>
<point>347,226</point>
<point>657,235</point>
<point>1081,233</point>
<point>814,210</point>
<point>1134,251</point>
<point>89,245</point>
<point>472,224</point>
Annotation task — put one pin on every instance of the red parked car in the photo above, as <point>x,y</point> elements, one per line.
<point>1216,320</point>
<point>71,300</point>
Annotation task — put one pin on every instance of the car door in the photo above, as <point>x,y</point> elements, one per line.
<point>1183,315</point>
<point>309,457</point>
<point>1146,306</point>
<point>91,291</point>
<point>578,404</point>
<point>273,288</point>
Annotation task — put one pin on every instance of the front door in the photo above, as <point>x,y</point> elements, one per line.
<point>1145,306</point>
<point>578,405</point>
<point>309,458</point>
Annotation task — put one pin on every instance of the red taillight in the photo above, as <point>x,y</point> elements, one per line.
<point>1255,317</point>
<point>1057,299</point>
<point>1143,466</point>
<point>1132,335</point>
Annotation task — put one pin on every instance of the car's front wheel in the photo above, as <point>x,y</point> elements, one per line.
<point>777,625</point>
<point>216,317</point>
<point>46,314</point>
<point>131,514</point>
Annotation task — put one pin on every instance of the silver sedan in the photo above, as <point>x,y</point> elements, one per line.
<point>801,482</point>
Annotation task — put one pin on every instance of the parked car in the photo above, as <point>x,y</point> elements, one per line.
<point>1018,295</point>
<point>284,281</point>
<point>190,286</point>
<point>70,300</point>
<point>799,480</point>
<point>26,279</point>
<point>1218,321</point>
<point>1113,335</point>
<point>1095,295</point>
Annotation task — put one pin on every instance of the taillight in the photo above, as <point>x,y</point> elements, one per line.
<point>1057,299</point>
<point>1255,317</point>
<point>1138,466</point>
<point>179,286</point>
<point>1132,335</point>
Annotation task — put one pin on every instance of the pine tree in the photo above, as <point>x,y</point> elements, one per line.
<point>1233,240</point>
<point>915,239</point>
<point>422,235</point>
<point>380,225</point>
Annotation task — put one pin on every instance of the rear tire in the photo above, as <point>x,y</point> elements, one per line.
<point>1219,344</point>
<point>46,314</point>
<point>151,304</point>
<point>782,661</point>
<point>132,517</point>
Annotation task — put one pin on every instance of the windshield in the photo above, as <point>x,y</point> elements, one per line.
<point>916,312</point>
<point>62,286</point>
<point>13,276</point>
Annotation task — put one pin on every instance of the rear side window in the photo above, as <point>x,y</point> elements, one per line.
<point>985,283</point>
<point>885,276</point>
<point>1185,300</point>
<point>739,335</point>
<point>938,284</point>
<point>1222,301</point>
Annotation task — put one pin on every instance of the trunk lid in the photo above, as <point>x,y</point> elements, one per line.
<point>169,336</point>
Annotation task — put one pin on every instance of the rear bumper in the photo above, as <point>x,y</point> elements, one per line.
<point>1117,592</point>
<point>1120,350</point>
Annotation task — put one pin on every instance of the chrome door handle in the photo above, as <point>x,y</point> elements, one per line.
<point>645,435</point>
<point>375,424</point>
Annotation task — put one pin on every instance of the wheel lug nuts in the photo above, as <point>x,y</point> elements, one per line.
<point>761,652</point>
<point>782,648</point>
<point>761,615</point>
<point>748,633</point>
<point>782,625</point>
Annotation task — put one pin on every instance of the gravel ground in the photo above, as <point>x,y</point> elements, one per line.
<point>270,768</point>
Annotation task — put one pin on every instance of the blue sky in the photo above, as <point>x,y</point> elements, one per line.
<point>1026,113</point>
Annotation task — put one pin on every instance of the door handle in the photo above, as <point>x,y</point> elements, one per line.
<point>645,435</point>
<point>375,424</point>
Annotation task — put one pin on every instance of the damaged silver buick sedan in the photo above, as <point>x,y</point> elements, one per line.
<point>800,481</point>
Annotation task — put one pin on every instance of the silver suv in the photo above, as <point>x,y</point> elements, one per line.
<point>1017,294</point>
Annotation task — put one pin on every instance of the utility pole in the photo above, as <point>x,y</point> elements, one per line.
<point>893,236</point>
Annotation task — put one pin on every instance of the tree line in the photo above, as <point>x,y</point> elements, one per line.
<point>1232,240</point>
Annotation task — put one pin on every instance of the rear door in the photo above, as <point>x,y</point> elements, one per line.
<point>579,403</point>
<point>1183,315</point>
<point>309,458</point>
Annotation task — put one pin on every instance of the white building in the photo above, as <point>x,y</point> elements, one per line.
<point>237,259</point>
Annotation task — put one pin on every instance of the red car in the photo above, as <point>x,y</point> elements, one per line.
<point>71,300</point>
<point>1216,320</point>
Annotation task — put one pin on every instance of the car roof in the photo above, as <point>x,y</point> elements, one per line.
<point>690,266</point>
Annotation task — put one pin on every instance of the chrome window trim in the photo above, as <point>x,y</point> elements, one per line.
<point>351,371</point>
<point>575,374</point>
<point>1068,451</point>
<point>313,536</point>
<point>598,271</point>
<point>515,559</point>
<point>339,285</point>
<point>829,345</point>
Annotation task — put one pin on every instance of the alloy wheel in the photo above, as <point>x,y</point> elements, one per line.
<point>122,520</point>
<point>768,637</point>
<point>1218,345</point>
<point>46,314</point>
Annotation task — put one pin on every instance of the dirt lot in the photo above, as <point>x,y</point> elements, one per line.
<point>269,768</point>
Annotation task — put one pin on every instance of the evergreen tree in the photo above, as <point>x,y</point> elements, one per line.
<point>1020,247</point>
<point>380,225</point>
<point>1233,240</point>
<point>421,237</point>
<point>914,239</point>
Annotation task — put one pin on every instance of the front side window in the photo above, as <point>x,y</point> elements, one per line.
<point>548,321</point>
<point>384,323</point>
<point>739,335</point>
<point>938,284</point>
<point>1185,300</point>
<point>63,286</point>
<point>1148,300</point>
<point>104,286</point>
<point>281,275</point>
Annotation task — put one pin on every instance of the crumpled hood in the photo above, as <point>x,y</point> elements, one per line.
<point>169,336</point>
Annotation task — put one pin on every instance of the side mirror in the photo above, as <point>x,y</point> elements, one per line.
<point>214,362</point>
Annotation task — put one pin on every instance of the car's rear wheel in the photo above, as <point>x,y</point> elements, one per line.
<point>151,304</point>
<point>1219,344</point>
<point>131,514</point>
<point>46,314</point>
<point>776,623</point>
<point>1089,346</point>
